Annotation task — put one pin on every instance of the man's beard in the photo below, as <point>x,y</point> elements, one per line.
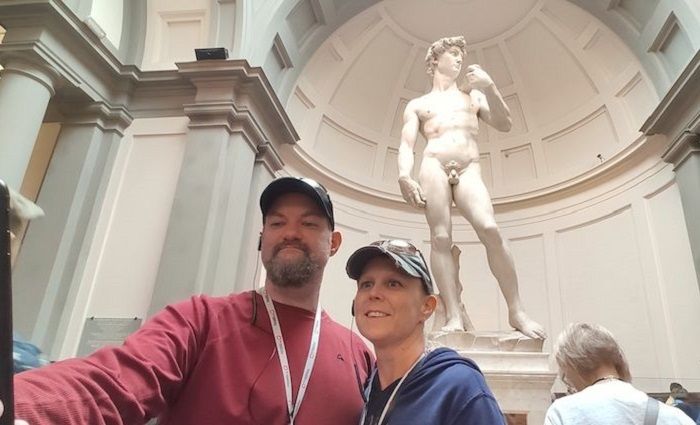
<point>293,273</point>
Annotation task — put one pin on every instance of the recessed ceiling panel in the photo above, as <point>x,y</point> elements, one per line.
<point>418,79</point>
<point>299,108</point>
<point>370,82</point>
<point>638,99</point>
<point>477,20</point>
<point>637,11</point>
<point>391,168</point>
<point>486,170</point>
<point>558,67</point>
<point>302,20</point>
<point>567,16</point>
<point>518,164</point>
<point>516,115</point>
<point>496,66</point>
<point>609,53</point>
<point>345,152</point>
<point>321,68</point>
<point>575,149</point>
<point>398,122</point>
<point>352,32</point>
<point>552,77</point>
<point>675,49</point>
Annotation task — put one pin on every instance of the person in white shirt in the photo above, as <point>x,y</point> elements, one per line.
<point>592,364</point>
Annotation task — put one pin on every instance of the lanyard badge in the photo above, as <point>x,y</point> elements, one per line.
<point>293,406</point>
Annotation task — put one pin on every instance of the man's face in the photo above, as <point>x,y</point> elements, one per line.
<point>390,305</point>
<point>449,63</point>
<point>296,241</point>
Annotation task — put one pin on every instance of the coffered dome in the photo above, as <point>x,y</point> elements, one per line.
<point>577,94</point>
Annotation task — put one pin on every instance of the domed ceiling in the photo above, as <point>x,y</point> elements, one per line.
<point>577,95</point>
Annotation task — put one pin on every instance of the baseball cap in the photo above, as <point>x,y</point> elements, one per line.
<point>306,186</point>
<point>406,256</point>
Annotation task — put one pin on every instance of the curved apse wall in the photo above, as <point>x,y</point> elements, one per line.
<point>574,89</point>
<point>594,238</point>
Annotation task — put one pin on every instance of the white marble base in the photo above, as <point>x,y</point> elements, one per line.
<point>515,368</point>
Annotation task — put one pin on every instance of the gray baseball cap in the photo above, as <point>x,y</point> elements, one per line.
<point>406,256</point>
<point>306,186</point>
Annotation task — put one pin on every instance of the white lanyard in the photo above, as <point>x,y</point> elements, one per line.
<point>393,393</point>
<point>292,407</point>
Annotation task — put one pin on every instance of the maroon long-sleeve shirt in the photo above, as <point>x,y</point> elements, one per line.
<point>202,361</point>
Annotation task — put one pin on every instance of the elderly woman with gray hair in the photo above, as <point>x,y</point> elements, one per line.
<point>592,364</point>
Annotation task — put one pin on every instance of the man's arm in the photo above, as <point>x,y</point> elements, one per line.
<point>410,189</point>
<point>492,108</point>
<point>117,385</point>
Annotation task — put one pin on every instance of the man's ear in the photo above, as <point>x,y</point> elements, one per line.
<point>336,240</point>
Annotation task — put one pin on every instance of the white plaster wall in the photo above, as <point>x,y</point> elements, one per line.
<point>121,272</point>
<point>613,251</point>
<point>109,15</point>
<point>174,29</point>
<point>576,93</point>
<point>615,254</point>
<point>594,238</point>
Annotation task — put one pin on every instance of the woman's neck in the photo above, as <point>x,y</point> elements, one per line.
<point>394,361</point>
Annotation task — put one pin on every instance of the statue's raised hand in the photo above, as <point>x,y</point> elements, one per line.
<point>411,192</point>
<point>477,77</point>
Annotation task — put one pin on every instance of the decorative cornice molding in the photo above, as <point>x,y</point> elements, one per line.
<point>234,95</point>
<point>678,115</point>
<point>106,117</point>
<point>227,115</point>
<point>682,94</point>
<point>245,84</point>
<point>633,154</point>
<point>268,156</point>
<point>48,33</point>
<point>44,74</point>
<point>684,144</point>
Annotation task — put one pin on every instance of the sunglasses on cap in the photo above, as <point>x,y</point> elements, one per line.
<point>406,256</point>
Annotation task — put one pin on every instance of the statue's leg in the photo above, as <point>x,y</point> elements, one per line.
<point>473,201</point>
<point>438,197</point>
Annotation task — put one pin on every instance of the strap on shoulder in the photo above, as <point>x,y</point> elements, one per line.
<point>652,412</point>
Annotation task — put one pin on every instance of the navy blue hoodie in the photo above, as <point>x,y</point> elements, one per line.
<point>444,389</point>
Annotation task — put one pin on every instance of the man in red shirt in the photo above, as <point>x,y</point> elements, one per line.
<point>266,357</point>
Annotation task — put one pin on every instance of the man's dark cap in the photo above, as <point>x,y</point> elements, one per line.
<point>406,257</point>
<point>306,186</point>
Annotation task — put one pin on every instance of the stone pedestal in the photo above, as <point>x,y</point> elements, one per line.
<point>515,367</point>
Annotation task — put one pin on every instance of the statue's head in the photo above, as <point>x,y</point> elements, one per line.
<point>439,47</point>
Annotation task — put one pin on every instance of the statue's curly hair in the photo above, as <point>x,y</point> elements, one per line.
<point>439,47</point>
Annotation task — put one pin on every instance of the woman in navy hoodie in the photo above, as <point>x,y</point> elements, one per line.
<point>410,385</point>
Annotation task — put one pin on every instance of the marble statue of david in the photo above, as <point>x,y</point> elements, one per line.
<point>448,118</point>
